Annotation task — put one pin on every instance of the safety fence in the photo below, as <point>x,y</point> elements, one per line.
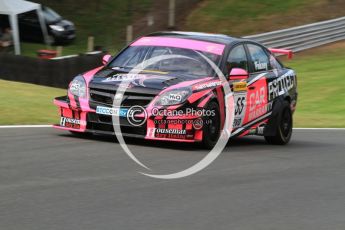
<point>304,37</point>
<point>55,73</point>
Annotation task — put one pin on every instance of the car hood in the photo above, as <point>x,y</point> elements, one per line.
<point>109,78</point>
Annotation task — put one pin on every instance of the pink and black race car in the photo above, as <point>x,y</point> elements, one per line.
<point>182,98</point>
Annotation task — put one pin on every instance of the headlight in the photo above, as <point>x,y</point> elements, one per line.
<point>57,28</point>
<point>78,87</point>
<point>173,97</point>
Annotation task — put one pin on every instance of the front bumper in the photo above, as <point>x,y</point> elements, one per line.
<point>83,119</point>
<point>64,36</point>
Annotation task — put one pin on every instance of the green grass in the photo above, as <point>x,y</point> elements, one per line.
<point>23,103</point>
<point>106,20</point>
<point>321,87</point>
<point>248,17</point>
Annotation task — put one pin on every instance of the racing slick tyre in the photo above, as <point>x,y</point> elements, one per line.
<point>284,127</point>
<point>211,128</point>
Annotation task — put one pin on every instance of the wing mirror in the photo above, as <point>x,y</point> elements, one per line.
<point>106,59</point>
<point>238,74</point>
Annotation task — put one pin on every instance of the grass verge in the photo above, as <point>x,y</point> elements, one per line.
<point>321,86</point>
<point>240,18</point>
<point>22,103</point>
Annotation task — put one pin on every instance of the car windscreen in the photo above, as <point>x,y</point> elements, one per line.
<point>167,59</point>
<point>50,15</point>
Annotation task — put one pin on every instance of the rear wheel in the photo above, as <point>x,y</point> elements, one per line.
<point>211,128</point>
<point>284,128</point>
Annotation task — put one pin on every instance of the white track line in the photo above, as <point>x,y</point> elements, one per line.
<point>24,126</point>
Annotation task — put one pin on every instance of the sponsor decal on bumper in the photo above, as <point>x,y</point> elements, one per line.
<point>169,133</point>
<point>71,122</point>
<point>121,112</point>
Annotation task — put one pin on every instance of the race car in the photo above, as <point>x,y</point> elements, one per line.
<point>179,96</point>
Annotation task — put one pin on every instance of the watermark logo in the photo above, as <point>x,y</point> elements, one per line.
<point>198,124</point>
<point>138,116</point>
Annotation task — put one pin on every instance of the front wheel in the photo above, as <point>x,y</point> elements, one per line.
<point>284,127</point>
<point>211,128</point>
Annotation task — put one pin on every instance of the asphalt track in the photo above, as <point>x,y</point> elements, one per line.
<point>52,180</point>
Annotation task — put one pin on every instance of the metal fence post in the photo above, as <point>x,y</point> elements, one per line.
<point>172,4</point>
<point>129,34</point>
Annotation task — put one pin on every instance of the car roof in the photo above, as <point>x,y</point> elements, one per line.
<point>217,38</point>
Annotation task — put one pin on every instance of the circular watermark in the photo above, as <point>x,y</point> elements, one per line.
<point>136,115</point>
<point>224,134</point>
<point>198,123</point>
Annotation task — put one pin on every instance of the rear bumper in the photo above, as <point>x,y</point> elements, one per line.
<point>86,120</point>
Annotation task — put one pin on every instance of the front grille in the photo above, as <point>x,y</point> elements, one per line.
<point>69,27</point>
<point>101,98</point>
<point>69,32</point>
<point>106,97</point>
<point>98,122</point>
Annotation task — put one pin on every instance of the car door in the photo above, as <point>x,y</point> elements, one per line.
<point>238,59</point>
<point>257,95</point>
<point>29,26</point>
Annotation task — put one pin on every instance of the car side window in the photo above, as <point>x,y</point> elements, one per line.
<point>237,59</point>
<point>259,58</point>
<point>30,17</point>
<point>275,64</point>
